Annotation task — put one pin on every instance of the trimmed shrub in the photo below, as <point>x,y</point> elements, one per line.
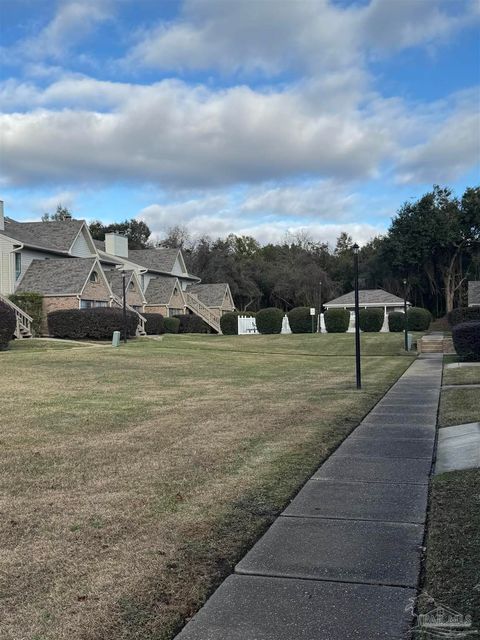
<point>466,340</point>
<point>396,321</point>
<point>337,320</point>
<point>269,320</point>
<point>98,323</point>
<point>229,323</point>
<point>418,319</point>
<point>463,314</point>
<point>154,324</point>
<point>7,325</point>
<point>300,320</point>
<point>371,320</point>
<point>191,323</point>
<point>31,303</point>
<point>172,325</point>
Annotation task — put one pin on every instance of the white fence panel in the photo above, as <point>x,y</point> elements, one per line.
<point>246,325</point>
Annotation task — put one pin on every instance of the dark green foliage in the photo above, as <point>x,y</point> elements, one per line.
<point>191,323</point>
<point>466,340</point>
<point>371,320</point>
<point>300,320</point>
<point>396,321</point>
<point>229,323</point>
<point>95,324</point>
<point>7,325</point>
<point>136,231</point>
<point>418,319</point>
<point>172,325</point>
<point>269,320</point>
<point>337,320</point>
<point>154,325</point>
<point>31,303</point>
<point>463,314</point>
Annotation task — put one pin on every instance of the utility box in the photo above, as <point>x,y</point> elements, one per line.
<point>409,341</point>
<point>116,339</point>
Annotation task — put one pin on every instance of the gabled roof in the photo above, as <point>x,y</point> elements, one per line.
<point>160,259</point>
<point>160,289</point>
<point>100,244</point>
<point>474,292</point>
<point>56,236</point>
<point>61,276</point>
<point>366,296</point>
<point>115,280</point>
<point>212,295</point>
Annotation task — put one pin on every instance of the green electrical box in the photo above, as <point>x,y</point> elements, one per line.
<point>116,339</point>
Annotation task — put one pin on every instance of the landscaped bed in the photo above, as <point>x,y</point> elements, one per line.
<point>133,478</point>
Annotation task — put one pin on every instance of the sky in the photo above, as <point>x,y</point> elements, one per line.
<point>259,117</point>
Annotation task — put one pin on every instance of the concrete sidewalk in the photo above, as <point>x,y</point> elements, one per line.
<point>342,562</point>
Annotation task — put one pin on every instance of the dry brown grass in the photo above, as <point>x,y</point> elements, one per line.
<point>133,479</point>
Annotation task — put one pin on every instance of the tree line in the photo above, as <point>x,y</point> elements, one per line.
<point>433,243</point>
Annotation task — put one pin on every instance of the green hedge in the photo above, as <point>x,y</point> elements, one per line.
<point>172,325</point>
<point>463,314</point>
<point>154,325</point>
<point>371,320</point>
<point>466,340</point>
<point>229,323</point>
<point>418,319</point>
<point>31,303</point>
<point>7,325</point>
<point>269,320</point>
<point>337,320</point>
<point>96,324</point>
<point>300,320</point>
<point>191,323</point>
<point>396,321</point>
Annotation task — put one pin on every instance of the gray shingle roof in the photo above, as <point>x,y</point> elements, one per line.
<point>100,244</point>
<point>160,290</point>
<point>53,236</point>
<point>160,259</point>
<point>474,292</point>
<point>114,278</point>
<point>56,276</point>
<point>211,295</point>
<point>367,296</point>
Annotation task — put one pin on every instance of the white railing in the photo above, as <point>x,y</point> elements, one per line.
<point>23,328</point>
<point>141,319</point>
<point>202,311</point>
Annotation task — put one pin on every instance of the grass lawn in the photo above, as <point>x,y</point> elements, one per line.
<point>134,478</point>
<point>459,406</point>
<point>462,375</point>
<point>37,344</point>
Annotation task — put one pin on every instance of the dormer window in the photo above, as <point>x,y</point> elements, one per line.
<point>93,276</point>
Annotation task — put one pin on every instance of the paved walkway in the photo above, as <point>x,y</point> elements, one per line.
<point>342,562</point>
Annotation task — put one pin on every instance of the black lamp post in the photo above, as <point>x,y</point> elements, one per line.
<point>357,319</point>
<point>319,320</point>
<point>405,312</point>
<point>124,287</point>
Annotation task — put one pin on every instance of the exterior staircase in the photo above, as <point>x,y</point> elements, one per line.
<point>23,328</point>
<point>141,320</point>
<point>202,311</point>
<point>435,343</point>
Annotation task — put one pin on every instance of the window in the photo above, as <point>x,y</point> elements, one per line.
<point>93,276</point>
<point>18,265</point>
<point>175,312</point>
<point>91,304</point>
<point>132,285</point>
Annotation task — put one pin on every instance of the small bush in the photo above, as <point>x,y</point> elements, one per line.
<point>418,319</point>
<point>172,325</point>
<point>229,323</point>
<point>300,320</point>
<point>7,325</point>
<point>337,320</point>
<point>96,324</point>
<point>154,324</point>
<point>371,320</point>
<point>466,339</point>
<point>396,321</point>
<point>191,323</point>
<point>31,303</point>
<point>463,314</point>
<point>269,320</point>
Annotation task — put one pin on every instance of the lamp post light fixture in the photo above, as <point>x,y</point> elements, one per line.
<point>124,289</point>
<point>358,370</point>
<point>405,331</point>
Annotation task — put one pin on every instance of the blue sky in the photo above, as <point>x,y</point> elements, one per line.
<point>262,117</point>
